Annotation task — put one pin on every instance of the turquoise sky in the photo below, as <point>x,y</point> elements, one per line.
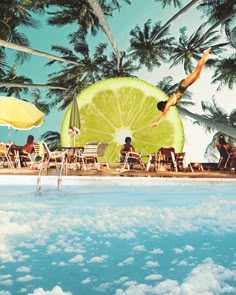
<point>121,24</point>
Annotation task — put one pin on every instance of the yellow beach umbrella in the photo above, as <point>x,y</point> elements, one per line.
<point>19,114</point>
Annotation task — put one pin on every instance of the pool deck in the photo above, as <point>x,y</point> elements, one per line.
<point>116,176</point>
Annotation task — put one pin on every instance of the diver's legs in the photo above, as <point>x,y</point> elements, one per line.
<point>196,73</point>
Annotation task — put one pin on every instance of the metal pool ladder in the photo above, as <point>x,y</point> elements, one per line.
<point>44,162</point>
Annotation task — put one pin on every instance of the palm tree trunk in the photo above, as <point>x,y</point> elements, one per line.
<point>9,84</point>
<point>98,10</point>
<point>226,129</point>
<point>221,21</point>
<point>180,12</point>
<point>35,52</point>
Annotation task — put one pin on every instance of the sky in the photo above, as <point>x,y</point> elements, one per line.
<point>121,240</point>
<point>121,24</point>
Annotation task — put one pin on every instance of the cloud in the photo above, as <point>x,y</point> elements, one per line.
<point>153,277</point>
<point>127,236</point>
<point>157,251</point>
<point>5,293</point>
<point>77,259</point>
<point>53,249</point>
<point>55,291</point>
<point>178,250</point>
<point>129,260</point>
<point>97,259</point>
<point>26,278</point>
<point>207,278</point>
<point>23,269</point>
<point>188,248</point>
<point>152,263</point>
<point>8,282</point>
<point>86,281</point>
<point>139,248</point>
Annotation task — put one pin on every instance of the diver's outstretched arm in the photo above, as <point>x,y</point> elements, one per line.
<point>170,102</point>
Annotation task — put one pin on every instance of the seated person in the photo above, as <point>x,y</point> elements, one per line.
<point>224,148</point>
<point>125,148</point>
<point>28,148</point>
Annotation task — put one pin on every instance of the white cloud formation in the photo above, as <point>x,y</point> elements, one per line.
<point>188,248</point>
<point>206,278</point>
<point>97,259</point>
<point>178,251</point>
<point>157,251</point>
<point>86,281</point>
<point>152,263</point>
<point>139,248</point>
<point>77,259</point>
<point>129,260</point>
<point>153,277</point>
<point>23,269</point>
<point>55,291</point>
<point>7,282</point>
<point>5,293</point>
<point>26,278</point>
<point>127,236</point>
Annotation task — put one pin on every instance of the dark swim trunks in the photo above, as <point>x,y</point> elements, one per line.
<point>180,91</point>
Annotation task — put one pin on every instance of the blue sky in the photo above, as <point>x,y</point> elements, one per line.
<point>121,24</point>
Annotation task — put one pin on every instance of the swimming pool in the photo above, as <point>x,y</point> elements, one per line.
<point>118,239</point>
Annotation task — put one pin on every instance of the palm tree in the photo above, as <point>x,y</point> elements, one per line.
<point>12,77</point>
<point>35,52</point>
<point>209,121</point>
<point>52,139</point>
<point>144,50</point>
<point>14,14</point>
<point>218,114</point>
<point>102,19</point>
<point>126,68</point>
<point>42,106</point>
<point>179,13</point>
<point>225,72</point>
<point>76,78</point>
<point>191,48</point>
<point>219,13</point>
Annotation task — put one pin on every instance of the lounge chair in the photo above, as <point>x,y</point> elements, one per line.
<point>92,153</point>
<point>5,156</point>
<point>132,159</point>
<point>225,157</point>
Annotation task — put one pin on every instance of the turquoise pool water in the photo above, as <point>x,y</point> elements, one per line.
<point>118,240</point>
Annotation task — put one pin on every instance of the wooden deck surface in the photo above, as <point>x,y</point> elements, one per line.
<point>116,171</point>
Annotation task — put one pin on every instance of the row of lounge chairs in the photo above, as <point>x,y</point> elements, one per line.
<point>74,158</point>
<point>92,154</point>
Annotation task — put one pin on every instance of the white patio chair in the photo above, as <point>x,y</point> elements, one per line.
<point>5,156</point>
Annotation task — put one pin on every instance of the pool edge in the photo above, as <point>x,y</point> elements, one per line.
<point>112,180</point>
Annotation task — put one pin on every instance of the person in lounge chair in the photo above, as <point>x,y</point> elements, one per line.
<point>224,149</point>
<point>125,148</point>
<point>164,106</point>
<point>28,148</point>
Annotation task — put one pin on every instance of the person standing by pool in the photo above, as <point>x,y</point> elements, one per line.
<point>164,106</point>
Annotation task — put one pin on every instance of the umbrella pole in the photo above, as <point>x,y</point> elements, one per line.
<point>9,134</point>
<point>74,140</point>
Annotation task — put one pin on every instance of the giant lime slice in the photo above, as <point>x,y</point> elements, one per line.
<point>115,108</point>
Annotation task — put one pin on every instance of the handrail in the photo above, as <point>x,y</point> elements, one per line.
<point>63,162</point>
<point>41,167</point>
